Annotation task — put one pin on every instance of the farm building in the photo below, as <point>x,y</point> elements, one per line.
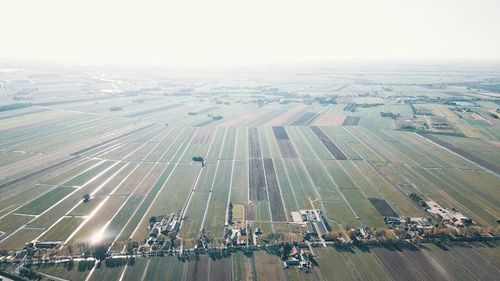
<point>311,226</point>
<point>320,228</point>
<point>163,225</point>
<point>313,220</point>
<point>298,258</point>
<point>237,236</point>
<point>453,217</point>
<point>47,244</point>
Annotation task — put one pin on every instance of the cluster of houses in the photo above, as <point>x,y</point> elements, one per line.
<point>297,258</point>
<point>237,235</point>
<point>164,225</point>
<point>412,226</point>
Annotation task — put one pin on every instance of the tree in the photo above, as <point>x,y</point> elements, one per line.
<point>152,220</point>
<point>100,252</point>
<point>86,198</point>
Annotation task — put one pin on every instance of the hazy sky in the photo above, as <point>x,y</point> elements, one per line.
<point>270,30</point>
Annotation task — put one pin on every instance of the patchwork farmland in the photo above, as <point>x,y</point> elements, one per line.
<point>190,180</point>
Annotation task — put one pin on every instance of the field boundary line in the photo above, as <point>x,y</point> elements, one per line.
<point>99,206</point>
<point>331,177</point>
<point>382,194</point>
<point>135,211</point>
<point>313,185</point>
<point>72,123</point>
<point>84,171</point>
<point>403,258</point>
<point>122,274</point>
<point>232,173</point>
<point>193,187</point>
<point>379,145</point>
<point>139,184</point>
<point>213,182</point>
<point>289,182</point>
<point>64,198</point>
<point>247,159</point>
<point>71,157</point>
<point>143,277</point>
<point>452,199</point>
<point>381,159</point>
<point>456,154</point>
<point>277,178</point>
<point>166,180</point>
<point>399,154</point>
<point>265,177</point>
<point>66,214</point>
<point>82,159</point>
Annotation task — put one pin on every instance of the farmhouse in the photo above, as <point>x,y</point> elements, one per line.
<point>313,219</point>
<point>163,225</point>
<point>393,222</point>
<point>298,258</point>
<point>312,229</point>
<point>237,236</point>
<point>453,217</point>
<point>44,244</point>
<point>364,233</point>
<point>321,228</point>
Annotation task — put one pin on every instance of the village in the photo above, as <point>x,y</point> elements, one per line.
<point>440,226</point>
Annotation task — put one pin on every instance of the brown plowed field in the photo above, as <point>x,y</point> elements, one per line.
<point>474,262</point>
<point>424,265</point>
<point>250,211</point>
<point>220,269</point>
<point>334,150</point>
<point>397,267</point>
<point>198,270</point>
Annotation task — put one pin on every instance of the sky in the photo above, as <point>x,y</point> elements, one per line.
<point>256,31</point>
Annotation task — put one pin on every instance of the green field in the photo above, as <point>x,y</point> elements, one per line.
<point>355,145</point>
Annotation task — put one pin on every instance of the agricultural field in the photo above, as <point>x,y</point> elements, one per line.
<point>217,161</point>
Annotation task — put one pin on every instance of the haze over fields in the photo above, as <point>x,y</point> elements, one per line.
<point>226,140</point>
<point>167,32</point>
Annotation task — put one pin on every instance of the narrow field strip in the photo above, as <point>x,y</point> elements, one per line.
<point>334,149</point>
